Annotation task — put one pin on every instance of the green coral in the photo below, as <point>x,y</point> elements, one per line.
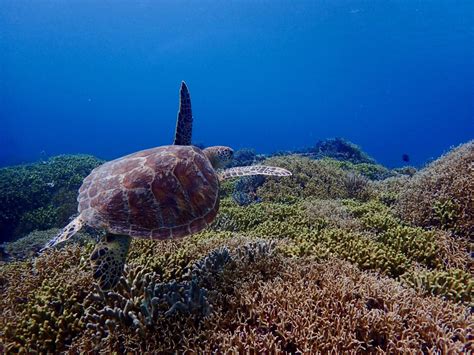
<point>322,179</point>
<point>354,247</point>
<point>453,284</point>
<point>41,195</point>
<point>372,171</point>
<point>169,259</point>
<point>417,244</point>
<point>446,214</point>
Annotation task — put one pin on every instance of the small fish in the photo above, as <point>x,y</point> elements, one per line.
<point>405,157</point>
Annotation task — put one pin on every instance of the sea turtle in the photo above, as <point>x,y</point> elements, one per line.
<point>159,193</point>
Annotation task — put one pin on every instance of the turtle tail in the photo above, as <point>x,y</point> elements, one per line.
<point>66,233</point>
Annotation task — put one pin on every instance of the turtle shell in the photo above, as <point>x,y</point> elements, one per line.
<point>159,193</point>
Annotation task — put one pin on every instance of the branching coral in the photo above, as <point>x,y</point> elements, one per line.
<point>333,212</point>
<point>311,308</point>
<point>431,248</point>
<point>41,300</point>
<point>454,284</point>
<point>142,308</point>
<point>441,194</point>
<point>322,264</point>
<point>388,191</point>
<point>141,303</point>
<point>244,157</point>
<point>311,178</point>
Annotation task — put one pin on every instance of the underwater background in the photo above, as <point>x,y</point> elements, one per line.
<point>365,249</point>
<point>102,77</point>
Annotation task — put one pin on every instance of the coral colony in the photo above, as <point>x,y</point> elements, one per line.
<point>345,255</point>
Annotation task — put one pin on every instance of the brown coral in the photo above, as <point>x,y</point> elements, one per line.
<point>312,308</point>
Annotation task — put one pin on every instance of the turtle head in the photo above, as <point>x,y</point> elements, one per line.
<point>219,156</point>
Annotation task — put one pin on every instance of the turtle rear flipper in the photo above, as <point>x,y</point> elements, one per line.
<point>67,232</point>
<point>108,259</point>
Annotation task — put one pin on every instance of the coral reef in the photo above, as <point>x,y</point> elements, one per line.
<point>31,244</point>
<point>245,157</point>
<point>245,189</point>
<point>333,306</point>
<point>454,284</point>
<point>41,300</point>
<point>441,194</point>
<point>41,195</point>
<point>311,178</point>
<point>344,257</point>
<point>341,149</point>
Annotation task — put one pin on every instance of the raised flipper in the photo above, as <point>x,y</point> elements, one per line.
<point>252,170</point>
<point>184,124</point>
<point>108,259</point>
<point>65,233</point>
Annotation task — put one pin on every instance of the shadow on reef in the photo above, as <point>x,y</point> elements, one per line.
<point>334,258</point>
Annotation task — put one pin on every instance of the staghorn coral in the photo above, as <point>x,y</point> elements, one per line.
<point>453,284</point>
<point>354,247</point>
<point>245,157</point>
<point>143,309</point>
<point>388,190</point>
<point>431,248</point>
<point>312,307</point>
<point>333,212</point>
<point>141,303</point>
<point>170,259</point>
<point>371,171</point>
<point>367,234</point>
<point>406,170</point>
<point>441,194</point>
<point>357,186</point>
<point>311,178</point>
<point>41,300</point>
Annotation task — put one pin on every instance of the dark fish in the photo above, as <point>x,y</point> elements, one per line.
<point>405,158</point>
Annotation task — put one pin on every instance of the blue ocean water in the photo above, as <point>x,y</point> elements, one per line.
<point>102,77</point>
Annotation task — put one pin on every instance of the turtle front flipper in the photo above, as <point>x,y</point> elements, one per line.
<point>184,124</point>
<point>252,170</point>
<point>67,232</point>
<point>108,259</point>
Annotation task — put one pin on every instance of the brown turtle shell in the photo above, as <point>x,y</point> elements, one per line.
<point>159,193</point>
